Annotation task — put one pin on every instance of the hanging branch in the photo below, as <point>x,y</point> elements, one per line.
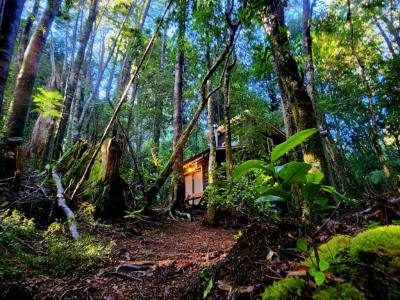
<point>121,101</point>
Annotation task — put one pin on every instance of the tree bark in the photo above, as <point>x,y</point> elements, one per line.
<point>9,24</point>
<point>24,40</point>
<point>177,197</point>
<point>73,77</point>
<point>29,68</point>
<point>295,92</point>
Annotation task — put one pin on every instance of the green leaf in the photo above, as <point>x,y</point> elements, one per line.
<point>318,276</point>
<point>277,191</point>
<point>301,245</point>
<point>291,143</point>
<point>329,189</point>
<point>208,289</point>
<point>294,171</point>
<point>248,166</point>
<point>315,177</point>
<point>323,265</point>
<point>269,198</point>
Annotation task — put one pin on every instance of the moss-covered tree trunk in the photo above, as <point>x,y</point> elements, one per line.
<point>103,187</point>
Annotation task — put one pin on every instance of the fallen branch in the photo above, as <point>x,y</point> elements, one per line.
<point>63,205</point>
<point>122,275</point>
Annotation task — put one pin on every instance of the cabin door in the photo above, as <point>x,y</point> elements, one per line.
<point>193,183</point>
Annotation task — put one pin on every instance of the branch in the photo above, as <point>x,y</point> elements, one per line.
<point>63,205</point>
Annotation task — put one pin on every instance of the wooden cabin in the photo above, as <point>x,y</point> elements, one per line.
<point>195,169</point>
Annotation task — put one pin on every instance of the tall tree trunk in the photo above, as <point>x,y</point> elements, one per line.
<point>295,92</point>
<point>212,127</point>
<point>73,77</point>
<point>24,40</point>
<point>227,120</point>
<point>371,106</point>
<point>85,81</point>
<point>102,67</point>
<point>9,24</point>
<point>177,197</point>
<point>40,144</point>
<point>330,151</point>
<point>159,106</point>
<point>29,68</point>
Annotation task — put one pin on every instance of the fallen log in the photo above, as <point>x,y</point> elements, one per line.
<point>63,205</point>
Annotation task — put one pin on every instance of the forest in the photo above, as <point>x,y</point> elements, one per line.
<point>200,149</point>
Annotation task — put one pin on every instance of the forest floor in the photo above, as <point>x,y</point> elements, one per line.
<point>156,264</point>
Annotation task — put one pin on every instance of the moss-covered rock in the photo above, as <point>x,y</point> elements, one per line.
<point>382,239</point>
<point>289,288</point>
<point>332,251</point>
<point>344,291</point>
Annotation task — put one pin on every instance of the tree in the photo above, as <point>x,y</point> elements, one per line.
<point>29,69</point>
<point>9,23</point>
<point>24,40</point>
<point>368,91</point>
<point>73,77</point>
<point>177,195</point>
<point>287,70</point>
<point>155,188</point>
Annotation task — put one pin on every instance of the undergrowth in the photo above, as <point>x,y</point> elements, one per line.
<point>363,267</point>
<point>27,250</point>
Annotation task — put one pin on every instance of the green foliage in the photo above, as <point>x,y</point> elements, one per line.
<point>377,177</point>
<point>52,252</point>
<point>289,288</point>
<point>206,282</point>
<point>49,102</point>
<point>274,183</point>
<point>344,291</point>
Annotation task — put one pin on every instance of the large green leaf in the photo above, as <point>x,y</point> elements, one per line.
<point>248,166</point>
<point>277,191</point>
<point>291,143</point>
<point>269,198</point>
<point>294,171</point>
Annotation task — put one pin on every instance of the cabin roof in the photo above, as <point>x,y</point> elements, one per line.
<point>203,154</point>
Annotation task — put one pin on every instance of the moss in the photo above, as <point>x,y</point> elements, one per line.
<point>331,251</point>
<point>383,239</point>
<point>344,291</point>
<point>289,288</point>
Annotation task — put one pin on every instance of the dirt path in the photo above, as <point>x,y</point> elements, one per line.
<point>172,257</point>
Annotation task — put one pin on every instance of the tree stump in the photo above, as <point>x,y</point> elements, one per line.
<point>103,187</point>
